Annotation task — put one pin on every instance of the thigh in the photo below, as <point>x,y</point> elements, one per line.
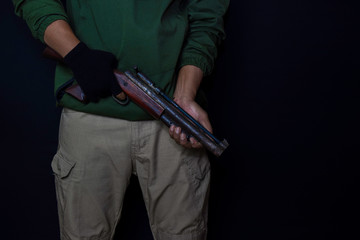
<point>92,168</point>
<point>175,185</point>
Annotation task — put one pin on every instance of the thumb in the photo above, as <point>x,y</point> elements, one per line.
<point>204,120</point>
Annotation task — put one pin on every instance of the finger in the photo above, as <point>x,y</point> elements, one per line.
<point>194,143</point>
<point>184,142</point>
<point>121,96</point>
<point>180,138</point>
<point>176,135</point>
<point>172,131</point>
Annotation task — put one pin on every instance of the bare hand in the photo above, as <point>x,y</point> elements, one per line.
<point>192,108</point>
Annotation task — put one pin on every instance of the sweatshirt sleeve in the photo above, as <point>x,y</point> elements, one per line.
<point>39,14</point>
<point>206,31</point>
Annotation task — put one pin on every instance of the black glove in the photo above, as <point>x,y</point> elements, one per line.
<point>93,70</point>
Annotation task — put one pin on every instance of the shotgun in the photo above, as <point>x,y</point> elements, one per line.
<point>153,100</point>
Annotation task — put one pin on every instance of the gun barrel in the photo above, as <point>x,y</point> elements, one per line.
<point>174,114</point>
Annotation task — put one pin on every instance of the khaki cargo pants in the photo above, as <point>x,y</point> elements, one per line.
<point>94,163</point>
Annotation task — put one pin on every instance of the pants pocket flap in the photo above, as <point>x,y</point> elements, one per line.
<point>61,166</point>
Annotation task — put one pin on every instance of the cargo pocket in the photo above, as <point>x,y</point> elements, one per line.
<point>65,186</point>
<point>198,171</point>
<point>198,164</point>
<point>61,166</point>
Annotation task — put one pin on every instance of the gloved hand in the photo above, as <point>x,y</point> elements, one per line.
<point>93,70</point>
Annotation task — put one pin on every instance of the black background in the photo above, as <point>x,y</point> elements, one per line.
<point>285,94</point>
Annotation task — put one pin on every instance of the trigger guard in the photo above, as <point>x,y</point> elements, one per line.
<point>121,102</point>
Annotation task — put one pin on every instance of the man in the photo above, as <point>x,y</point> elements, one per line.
<point>174,42</point>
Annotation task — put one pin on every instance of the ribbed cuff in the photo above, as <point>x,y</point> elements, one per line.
<point>199,62</point>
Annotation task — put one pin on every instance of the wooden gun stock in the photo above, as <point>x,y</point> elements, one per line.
<point>144,93</point>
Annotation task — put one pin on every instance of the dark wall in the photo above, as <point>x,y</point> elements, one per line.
<point>285,94</point>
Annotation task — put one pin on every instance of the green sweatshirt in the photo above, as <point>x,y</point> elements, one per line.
<point>158,36</point>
